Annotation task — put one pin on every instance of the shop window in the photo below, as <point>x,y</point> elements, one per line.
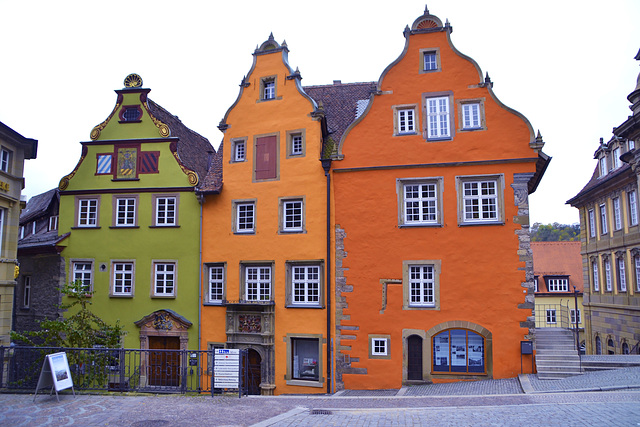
<point>458,351</point>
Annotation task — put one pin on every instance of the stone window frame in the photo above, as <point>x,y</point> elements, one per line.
<point>154,278</point>
<point>400,191</point>
<point>72,271</point>
<point>604,226</point>
<point>235,144</point>
<point>234,216</point>
<point>608,279</point>
<point>500,202</point>
<point>289,338</point>
<point>482,122</point>
<point>282,229</point>
<point>621,272</point>
<point>244,265</point>
<point>427,51</point>
<point>387,340</point>
<point>635,256</point>
<point>406,291</point>
<point>617,213</point>
<point>154,214</point>
<point>208,267</point>
<point>263,84</point>
<point>290,134</point>
<point>116,198</point>
<point>289,303</point>
<point>426,116</point>
<point>112,278</point>
<point>396,109</point>
<point>595,274</point>
<point>632,205</point>
<point>593,232</point>
<point>77,202</point>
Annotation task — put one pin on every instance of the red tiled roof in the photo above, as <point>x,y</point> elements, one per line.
<point>558,259</point>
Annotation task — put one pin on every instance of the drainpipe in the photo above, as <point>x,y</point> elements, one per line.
<point>326,165</point>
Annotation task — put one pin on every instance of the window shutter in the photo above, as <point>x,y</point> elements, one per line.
<point>266,160</point>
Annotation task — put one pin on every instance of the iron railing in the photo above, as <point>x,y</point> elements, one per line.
<point>119,369</point>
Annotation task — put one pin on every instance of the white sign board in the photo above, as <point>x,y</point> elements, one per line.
<point>55,373</point>
<point>226,371</point>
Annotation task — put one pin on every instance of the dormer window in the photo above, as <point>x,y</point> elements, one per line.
<point>559,284</point>
<point>130,113</point>
<point>615,159</point>
<point>632,145</point>
<point>603,165</point>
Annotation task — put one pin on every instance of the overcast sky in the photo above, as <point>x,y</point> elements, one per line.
<point>566,65</point>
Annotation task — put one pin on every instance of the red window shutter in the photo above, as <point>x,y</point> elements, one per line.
<point>266,157</point>
<point>149,161</point>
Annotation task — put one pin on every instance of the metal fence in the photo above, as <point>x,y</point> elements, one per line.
<point>107,369</point>
<point>553,316</point>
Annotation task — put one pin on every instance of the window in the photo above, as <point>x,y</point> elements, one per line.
<point>53,223</point>
<point>22,232</point>
<point>573,316</point>
<point>292,215</point>
<point>637,264</point>
<point>379,346</point>
<point>480,200</point>
<point>420,202</point>
<point>268,88</point>
<point>239,148</point>
<point>244,213</point>
<point>607,274</point>
<point>438,119</point>
<point>632,144</point>
<point>295,143</point>
<point>471,115</point>
<point>5,160</point>
<point>622,277</point>
<point>603,165</point>
<point>82,271</point>
<point>406,120</point>
<point>217,279</point>
<point>551,315</point>
<point>625,348</point>
<point>257,283</point>
<point>592,223</point>
<point>617,218</point>
<point>130,113</point>
<point>421,285</point>
<point>33,227</point>
<point>615,158</point>
<point>429,60</point>
<point>596,279</point>
<point>603,219</point>
<point>633,208</point>
<point>304,360</point>
<point>165,211</point>
<point>87,212</point>
<point>125,212</point>
<point>304,284</point>
<point>26,291</point>
<point>558,285</point>
<point>535,284</point>
<point>122,278</point>
<point>164,279</point>
<point>598,345</point>
<point>266,157</point>
<point>458,351</point>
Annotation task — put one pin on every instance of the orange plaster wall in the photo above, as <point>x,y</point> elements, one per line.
<point>302,176</point>
<point>481,270</point>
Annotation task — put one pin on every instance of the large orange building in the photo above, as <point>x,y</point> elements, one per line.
<point>434,279</point>
<point>264,245</point>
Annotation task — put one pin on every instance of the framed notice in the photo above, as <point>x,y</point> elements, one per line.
<point>55,373</point>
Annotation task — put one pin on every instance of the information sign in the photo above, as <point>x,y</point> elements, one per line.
<point>226,371</point>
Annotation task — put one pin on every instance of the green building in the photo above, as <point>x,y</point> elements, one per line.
<point>134,220</point>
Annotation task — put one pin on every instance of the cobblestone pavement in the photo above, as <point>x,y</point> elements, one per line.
<point>490,402</point>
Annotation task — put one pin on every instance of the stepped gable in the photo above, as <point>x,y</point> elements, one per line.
<point>212,183</point>
<point>193,148</point>
<point>340,103</point>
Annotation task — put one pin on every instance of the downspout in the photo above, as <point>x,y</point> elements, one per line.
<point>326,165</point>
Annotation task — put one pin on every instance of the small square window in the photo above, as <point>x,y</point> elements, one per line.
<point>379,346</point>
<point>239,148</point>
<point>429,60</point>
<point>405,121</point>
<point>268,88</point>
<point>551,316</point>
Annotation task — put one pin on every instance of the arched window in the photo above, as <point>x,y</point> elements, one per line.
<point>458,350</point>
<point>625,348</point>
<point>598,346</point>
<point>611,348</point>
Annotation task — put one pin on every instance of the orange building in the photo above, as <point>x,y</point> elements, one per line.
<point>264,245</point>
<point>434,279</point>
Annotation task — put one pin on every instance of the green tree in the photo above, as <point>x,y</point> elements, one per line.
<point>554,232</point>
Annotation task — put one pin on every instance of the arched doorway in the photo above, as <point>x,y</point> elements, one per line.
<point>414,358</point>
<point>253,377</point>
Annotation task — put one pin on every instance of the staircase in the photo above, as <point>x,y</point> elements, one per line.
<point>556,354</point>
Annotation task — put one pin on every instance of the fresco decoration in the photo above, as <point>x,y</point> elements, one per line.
<point>127,163</point>
<point>64,182</point>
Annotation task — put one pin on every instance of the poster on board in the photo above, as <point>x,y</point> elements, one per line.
<point>55,373</point>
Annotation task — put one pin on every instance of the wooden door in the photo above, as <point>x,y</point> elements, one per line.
<point>253,377</point>
<point>414,358</point>
<point>164,366</point>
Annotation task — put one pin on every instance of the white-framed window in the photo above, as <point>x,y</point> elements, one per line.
<point>269,88</point>
<point>166,211</point>
<point>596,278</point>
<point>622,276</point>
<point>244,217</point>
<point>480,199</point>
<point>421,285</point>
<point>297,144</point>
<point>551,315</point>
<point>615,158</point>
<point>471,118</point>
<point>22,231</point>
<point>602,163</point>
<point>5,160</point>
<point>420,204</point>
<point>125,212</point>
<point>164,279</point>
<point>53,223</point>
<point>305,285</point>
<point>239,150</point>
<point>292,215</point>
<point>122,278</point>
<point>438,117</point>
<point>82,271</point>
<point>26,291</point>
<point>535,284</point>
<point>617,215</point>
<point>217,279</point>
<point>607,274</point>
<point>603,219</point>
<point>379,347</point>
<point>257,283</point>
<point>33,227</point>
<point>558,285</point>
<point>573,316</point>
<point>406,120</point>
<point>633,207</point>
<point>430,60</point>
<point>87,213</point>
<point>637,265</point>
<point>592,223</point>
<point>632,144</point>
<point>305,363</point>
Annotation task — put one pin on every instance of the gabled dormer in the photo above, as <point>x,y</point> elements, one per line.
<point>609,154</point>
